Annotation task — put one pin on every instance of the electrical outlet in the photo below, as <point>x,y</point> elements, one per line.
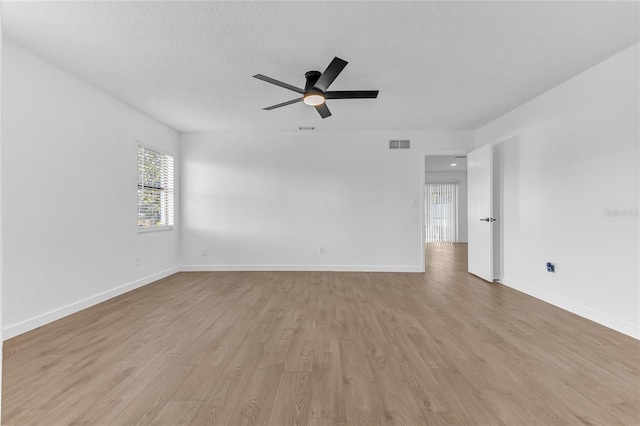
<point>138,260</point>
<point>205,252</point>
<point>551,267</point>
<point>321,249</point>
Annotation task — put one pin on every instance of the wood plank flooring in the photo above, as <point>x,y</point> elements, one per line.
<point>321,349</point>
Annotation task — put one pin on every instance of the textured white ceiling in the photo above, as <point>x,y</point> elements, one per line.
<point>438,65</point>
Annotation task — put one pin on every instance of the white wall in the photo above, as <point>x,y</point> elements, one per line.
<point>568,157</point>
<point>461,179</point>
<point>268,201</point>
<point>69,195</point>
<point>1,269</point>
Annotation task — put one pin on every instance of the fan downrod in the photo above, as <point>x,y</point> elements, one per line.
<point>312,77</point>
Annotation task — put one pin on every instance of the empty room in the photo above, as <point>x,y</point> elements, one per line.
<point>320,213</point>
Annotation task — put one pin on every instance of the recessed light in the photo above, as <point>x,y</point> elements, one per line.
<point>453,164</point>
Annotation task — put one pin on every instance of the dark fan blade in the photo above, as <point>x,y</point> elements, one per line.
<point>278,83</point>
<point>323,110</point>
<point>335,67</point>
<point>283,104</point>
<point>351,94</point>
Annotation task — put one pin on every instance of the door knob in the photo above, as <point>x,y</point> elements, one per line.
<point>488,219</point>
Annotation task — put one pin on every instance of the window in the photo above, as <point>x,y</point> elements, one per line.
<point>155,190</point>
<point>441,212</point>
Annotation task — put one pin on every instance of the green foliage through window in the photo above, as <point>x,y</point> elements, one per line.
<point>155,189</point>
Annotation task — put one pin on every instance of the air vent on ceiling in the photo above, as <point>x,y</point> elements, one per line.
<point>400,144</point>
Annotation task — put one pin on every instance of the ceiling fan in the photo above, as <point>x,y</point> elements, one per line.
<point>315,90</point>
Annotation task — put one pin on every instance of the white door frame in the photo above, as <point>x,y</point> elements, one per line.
<point>422,197</point>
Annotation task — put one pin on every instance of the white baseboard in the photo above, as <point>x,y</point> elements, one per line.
<point>606,320</point>
<point>38,321</point>
<point>307,268</point>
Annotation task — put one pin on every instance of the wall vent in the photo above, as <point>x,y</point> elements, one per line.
<point>399,144</point>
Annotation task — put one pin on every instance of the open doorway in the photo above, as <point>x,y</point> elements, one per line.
<point>438,169</point>
<point>445,199</point>
<point>445,212</point>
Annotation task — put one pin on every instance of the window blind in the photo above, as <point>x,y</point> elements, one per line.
<point>155,189</point>
<point>441,212</point>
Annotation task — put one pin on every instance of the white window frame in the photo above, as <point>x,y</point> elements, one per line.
<point>167,193</point>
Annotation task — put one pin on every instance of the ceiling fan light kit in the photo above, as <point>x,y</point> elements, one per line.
<point>315,90</point>
<point>313,99</point>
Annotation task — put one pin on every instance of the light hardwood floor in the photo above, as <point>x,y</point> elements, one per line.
<point>321,348</point>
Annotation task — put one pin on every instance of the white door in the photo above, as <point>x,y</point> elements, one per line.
<point>480,211</point>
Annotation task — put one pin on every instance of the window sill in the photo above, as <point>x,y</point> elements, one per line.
<point>155,229</point>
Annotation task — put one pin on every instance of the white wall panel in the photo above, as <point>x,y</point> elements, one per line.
<point>69,194</point>
<point>569,162</point>
<point>269,201</point>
